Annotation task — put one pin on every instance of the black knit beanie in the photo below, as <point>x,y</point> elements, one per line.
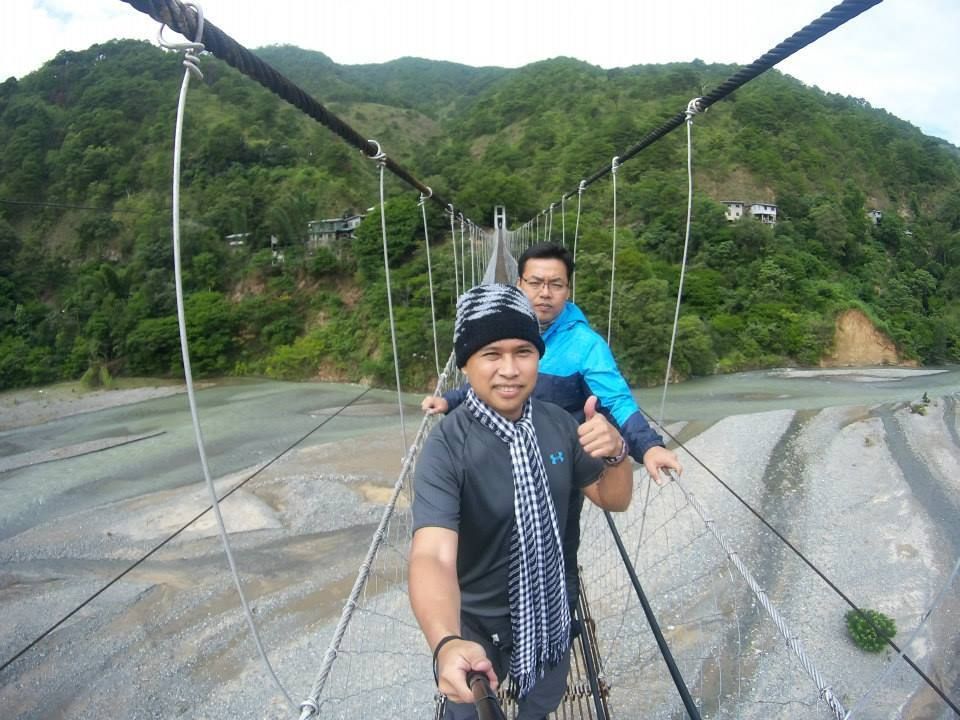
<point>488,313</point>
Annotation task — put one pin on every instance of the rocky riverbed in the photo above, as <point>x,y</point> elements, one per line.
<point>168,640</point>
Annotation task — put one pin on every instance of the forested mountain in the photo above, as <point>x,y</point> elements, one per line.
<point>86,283</point>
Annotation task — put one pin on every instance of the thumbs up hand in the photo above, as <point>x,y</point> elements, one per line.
<point>590,408</point>
<point>598,437</point>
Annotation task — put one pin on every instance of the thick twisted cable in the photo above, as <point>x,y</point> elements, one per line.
<point>793,640</point>
<point>829,21</point>
<point>690,112</point>
<point>433,310</point>
<point>381,164</point>
<point>614,164</point>
<point>311,706</point>
<point>188,375</point>
<point>177,16</point>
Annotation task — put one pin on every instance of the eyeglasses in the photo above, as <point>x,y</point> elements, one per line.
<point>536,284</point>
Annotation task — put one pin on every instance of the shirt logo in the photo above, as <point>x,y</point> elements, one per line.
<point>556,458</point>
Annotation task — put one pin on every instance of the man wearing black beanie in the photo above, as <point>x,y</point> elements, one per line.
<point>496,492</point>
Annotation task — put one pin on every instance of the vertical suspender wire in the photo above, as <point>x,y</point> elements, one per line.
<point>433,310</point>
<point>576,234</point>
<point>563,221</point>
<point>692,109</point>
<point>456,268</point>
<point>550,224</point>
<point>615,163</point>
<point>537,220</point>
<point>381,159</point>
<point>473,258</point>
<point>190,62</point>
<point>463,254</point>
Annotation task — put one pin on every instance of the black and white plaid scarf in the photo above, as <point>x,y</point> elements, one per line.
<point>539,614</point>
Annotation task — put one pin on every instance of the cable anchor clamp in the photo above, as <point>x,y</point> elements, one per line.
<point>190,60</point>
<point>380,156</point>
<point>693,108</point>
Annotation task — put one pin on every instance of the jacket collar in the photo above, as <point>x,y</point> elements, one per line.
<point>568,317</point>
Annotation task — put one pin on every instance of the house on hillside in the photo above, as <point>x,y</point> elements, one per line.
<point>734,209</point>
<point>236,241</point>
<point>875,216</point>
<point>764,212</point>
<point>325,233</point>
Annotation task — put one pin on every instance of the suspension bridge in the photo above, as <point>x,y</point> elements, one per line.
<point>717,644</point>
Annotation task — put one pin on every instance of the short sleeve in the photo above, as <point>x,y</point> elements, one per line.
<point>436,487</point>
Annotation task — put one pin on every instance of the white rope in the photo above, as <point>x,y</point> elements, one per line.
<point>381,160</point>
<point>614,164</point>
<point>576,234</point>
<point>191,62</point>
<point>885,674</point>
<point>433,310</point>
<point>550,224</point>
<point>693,108</point>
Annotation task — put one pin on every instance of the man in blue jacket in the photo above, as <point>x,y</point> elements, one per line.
<point>577,362</point>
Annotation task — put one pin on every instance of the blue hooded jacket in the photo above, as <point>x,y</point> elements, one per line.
<point>577,364</point>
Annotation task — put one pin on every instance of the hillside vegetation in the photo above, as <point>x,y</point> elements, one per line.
<point>86,269</point>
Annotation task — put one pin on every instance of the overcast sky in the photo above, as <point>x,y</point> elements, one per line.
<point>900,55</point>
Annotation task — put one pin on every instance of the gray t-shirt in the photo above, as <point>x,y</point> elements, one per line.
<point>464,482</point>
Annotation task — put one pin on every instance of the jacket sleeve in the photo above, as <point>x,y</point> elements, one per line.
<point>603,378</point>
<point>455,397</point>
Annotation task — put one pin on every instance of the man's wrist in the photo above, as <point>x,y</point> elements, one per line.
<point>436,654</point>
<point>619,457</point>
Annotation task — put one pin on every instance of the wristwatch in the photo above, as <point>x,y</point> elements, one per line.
<point>619,457</point>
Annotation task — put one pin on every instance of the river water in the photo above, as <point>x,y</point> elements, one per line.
<point>247,422</point>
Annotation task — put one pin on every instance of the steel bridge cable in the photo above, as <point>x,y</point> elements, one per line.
<point>678,680</point>
<point>826,23</point>
<point>174,14</point>
<point>433,310</point>
<point>576,234</point>
<point>381,159</point>
<point>692,109</point>
<point>563,222</point>
<point>933,686</point>
<point>614,164</point>
<point>453,242</point>
<point>463,253</point>
<point>311,706</point>
<point>793,640</point>
<point>192,68</point>
<point>885,674</point>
